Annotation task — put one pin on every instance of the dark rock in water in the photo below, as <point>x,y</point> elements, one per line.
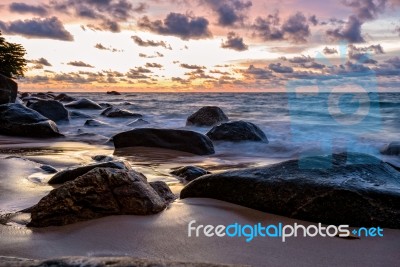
<point>103,262</point>
<point>102,158</point>
<point>51,109</point>
<point>105,105</point>
<point>83,103</point>
<point>48,169</point>
<point>127,103</point>
<point>64,98</point>
<point>18,120</point>
<point>43,96</point>
<point>97,193</point>
<point>73,173</point>
<point>189,173</point>
<point>90,138</point>
<point>207,116</point>
<point>113,112</point>
<point>25,94</point>
<point>163,191</point>
<point>357,190</point>
<point>95,123</point>
<point>181,140</point>
<point>8,90</point>
<point>138,122</point>
<point>113,93</point>
<point>237,131</point>
<point>392,149</point>
<point>78,115</point>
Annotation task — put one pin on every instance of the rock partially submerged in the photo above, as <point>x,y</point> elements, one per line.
<point>97,193</point>
<point>113,93</point>
<point>358,190</point>
<point>95,123</point>
<point>392,149</point>
<point>181,140</point>
<point>18,120</point>
<point>138,122</point>
<point>83,103</point>
<point>189,173</point>
<point>8,90</point>
<point>64,98</point>
<point>113,112</point>
<point>207,116</point>
<point>73,173</point>
<point>237,131</point>
<point>51,109</point>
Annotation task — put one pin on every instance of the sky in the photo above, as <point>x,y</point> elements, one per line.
<point>206,45</point>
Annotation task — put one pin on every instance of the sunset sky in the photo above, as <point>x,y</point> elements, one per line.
<point>204,45</point>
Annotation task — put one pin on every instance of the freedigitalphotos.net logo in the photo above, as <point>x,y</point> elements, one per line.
<point>278,231</point>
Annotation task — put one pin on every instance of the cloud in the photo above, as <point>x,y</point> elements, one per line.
<point>110,25</point>
<point>79,64</point>
<point>102,47</point>
<point>279,68</point>
<point>362,54</point>
<point>25,8</point>
<point>229,12</point>
<point>295,29</point>
<point>234,42</point>
<point>50,28</point>
<point>330,51</point>
<point>139,41</point>
<point>180,25</point>
<point>154,65</point>
<point>313,19</point>
<point>192,67</point>
<point>138,73</point>
<point>157,54</point>
<point>366,9</point>
<point>258,73</point>
<point>41,61</point>
<point>395,62</point>
<point>350,32</point>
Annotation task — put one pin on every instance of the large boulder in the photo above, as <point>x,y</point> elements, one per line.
<point>8,90</point>
<point>51,109</point>
<point>113,112</point>
<point>189,173</point>
<point>163,191</point>
<point>392,149</point>
<point>181,140</point>
<point>64,98</point>
<point>83,103</point>
<point>207,116</point>
<point>356,190</point>
<point>73,173</point>
<point>18,120</point>
<point>237,131</point>
<point>98,193</point>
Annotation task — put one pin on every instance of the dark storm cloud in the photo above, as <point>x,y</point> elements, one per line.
<point>79,64</point>
<point>234,42</point>
<point>295,29</point>
<point>192,67</point>
<point>41,61</point>
<point>50,28</point>
<point>180,25</point>
<point>350,32</point>
<point>366,9</point>
<point>139,41</point>
<point>330,51</point>
<point>25,8</point>
<point>279,68</point>
<point>229,12</point>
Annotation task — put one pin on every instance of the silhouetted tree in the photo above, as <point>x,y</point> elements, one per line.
<point>12,61</point>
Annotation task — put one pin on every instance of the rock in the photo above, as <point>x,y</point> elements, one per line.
<point>187,141</point>
<point>113,112</point>
<point>43,96</point>
<point>95,123</point>
<point>189,173</point>
<point>103,262</point>
<point>97,193</point>
<point>73,173</point>
<point>51,109</point>
<point>357,190</point>
<point>83,103</point>
<point>105,105</point>
<point>78,115</point>
<point>113,93</point>
<point>163,191</point>
<point>102,158</point>
<point>48,169</point>
<point>392,149</point>
<point>25,94</point>
<point>8,90</point>
<point>18,120</point>
<point>207,116</point>
<point>64,98</point>
<point>138,122</point>
<point>237,131</point>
